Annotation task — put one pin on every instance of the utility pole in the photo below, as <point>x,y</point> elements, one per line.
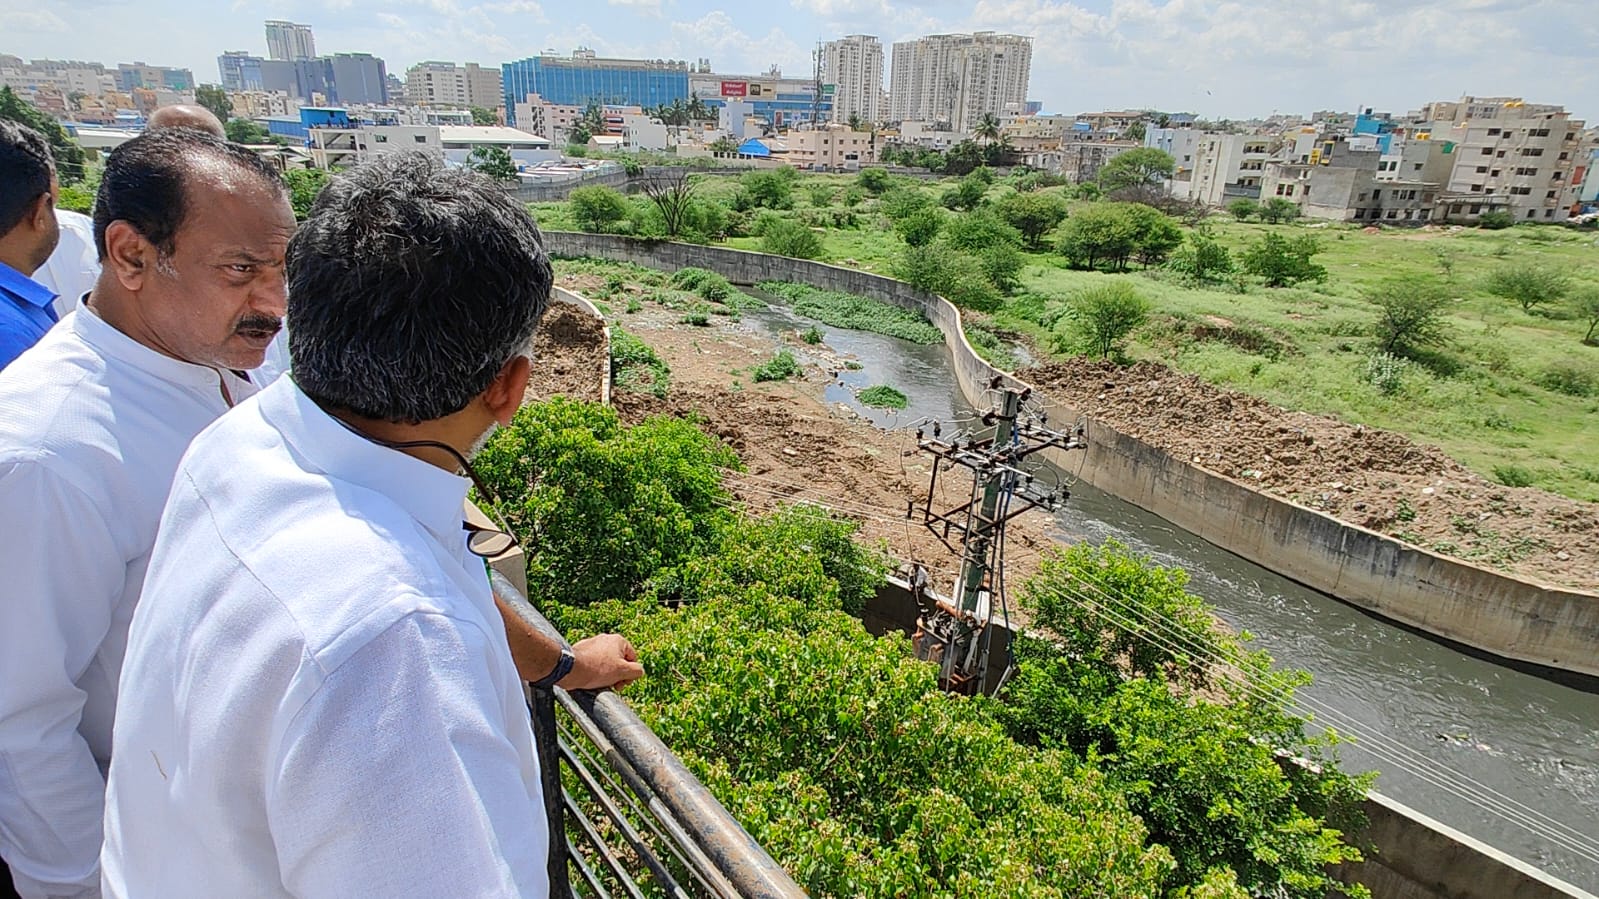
<point>959,635</point>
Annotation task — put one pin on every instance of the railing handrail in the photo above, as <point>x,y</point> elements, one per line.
<point>737,865</point>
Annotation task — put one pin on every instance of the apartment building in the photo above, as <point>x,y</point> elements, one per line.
<point>447,84</point>
<point>957,79</point>
<point>260,104</point>
<point>552,121</point>
<point>1226,167</point>
<point>138,74</point>
<point>1508,154</point>
<point>853,67</point>
<point>831,147</point>
<point>240,71</point>
<point>1339,180</point>
<point>288,42</point>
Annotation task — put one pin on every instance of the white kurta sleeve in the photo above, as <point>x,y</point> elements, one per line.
<point>397,777</point>
<point>61,577</point>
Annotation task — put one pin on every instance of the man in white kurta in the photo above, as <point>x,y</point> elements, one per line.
<point>318,698</point>
<point>93,421</point>
<point>326,705</point>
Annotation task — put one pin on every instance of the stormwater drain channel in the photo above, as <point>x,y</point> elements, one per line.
<point>1527,746</point>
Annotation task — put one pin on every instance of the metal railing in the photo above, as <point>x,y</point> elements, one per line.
<point>626,817</point>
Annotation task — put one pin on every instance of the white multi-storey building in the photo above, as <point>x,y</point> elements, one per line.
<point>957,79</point>
<point>1508,155</point>
<point>447,84</point>
<point>289,42</point>
<point>854,67</point>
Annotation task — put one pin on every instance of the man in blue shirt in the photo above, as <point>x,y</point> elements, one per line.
<point>28,234</point>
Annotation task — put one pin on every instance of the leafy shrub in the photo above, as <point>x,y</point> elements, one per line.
<point>820,195</point>
<point>1513,476</point>
<point>980,229</point>
<point>1570,378</point>
<point>857,313</point>
<point>636,367</point>
<point>874,180</point>
<point>766,189</point>
<point>786,238</point>
<point>697,318</point>
<point>1495,220</point>
<point>597,208</point>
<point>902,202</point>
<point>1410,315</point>
<point>1586,307</point>
<point>1002,265</point>
<point>919,228</point>
<point>1033,215</point>
<point>1109,234</point>
<point>1102,316</point>
<point>1386,372</point>
<point>811,336</point>
<point>778,368</point>
<point>1529,285</point>
<point>1243,209</point>
<point>1284,262</point>
<point>883,396</point>
<point>711,286</point>
<point>989,346</point>
<point>77,198</point>
<point>305,185</point>
<point>966,194</point>
<point>606,507</point>
<point>955,276</point>
<point>1204,260</point>
<point>1277,210</point>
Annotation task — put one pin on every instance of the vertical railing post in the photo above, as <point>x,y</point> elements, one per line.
<point>542,705</point>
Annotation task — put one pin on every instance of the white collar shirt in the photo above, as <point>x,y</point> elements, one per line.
<point>92,425</point>
<point>319,700</point>
<point>74,264</point>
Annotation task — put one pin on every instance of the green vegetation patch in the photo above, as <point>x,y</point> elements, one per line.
<point>778,368</point>
<point>846,310</point>
<point>883,397</point>
<point>636,367</point>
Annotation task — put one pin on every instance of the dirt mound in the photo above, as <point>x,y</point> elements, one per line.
<point>569,355</point>
<point>1377,479</point>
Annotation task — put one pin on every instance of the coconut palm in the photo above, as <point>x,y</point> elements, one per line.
<point>987,127</point>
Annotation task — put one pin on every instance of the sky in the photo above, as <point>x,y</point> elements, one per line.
<point>1218,58</point>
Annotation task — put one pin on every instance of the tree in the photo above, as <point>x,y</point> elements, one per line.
<point>673,196</point>
<point>1135,131</point>
<point>1155,235</point>
<point>952,274</point>
<point>790,238</point>
<point>987,128</point>
<point>305,185</point>
<point>1145,165</point>
<point>1033,215</point>
<point>1243,209</point>
<point>1282,262</point>
<point>772,189</point>
<point>1529,285</point>
<point>245,131</point>
<point>968,193</point>
<point>1203,259</point>
<point>875,180</point>
<point>1410,316</point>
<point>1099,235</point>
<point>68,155</point>
<point>854,121</point>
<point>483,116</point>
<point>1587,308</point>
<point>900,202</point>
<point>1103,315</point>
<point>961,158</point>
<point>597,208</point>
<point>577,136</point>
<point>976,230</point>
<point>920,227</point>
<point>495,162</point>
<point>215,99</point>
<point>1278,210</point>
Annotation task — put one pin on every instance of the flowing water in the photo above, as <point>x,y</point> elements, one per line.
<point>1506,757</point>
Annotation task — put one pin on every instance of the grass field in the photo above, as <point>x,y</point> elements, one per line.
<point>1486,398</point>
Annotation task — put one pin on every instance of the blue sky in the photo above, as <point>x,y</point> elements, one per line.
<point>1219,58</point>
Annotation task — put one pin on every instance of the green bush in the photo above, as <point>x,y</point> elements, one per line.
<point>919,228</point>
<point>1033,215</point>
<point>811,336</point>
<point>874,180</point>
<point>857,313</point>
<point>707,284</point>
<point>1107,235</point>
<point>786,238</point>
<point>305,185</point>
<point>980,229</point>
<point>966,194</point>
<point>1386,372</point>
<point>883,396</point>
<point>902,202</point>
<point>1243,209</point>
<point>1204,259</point>
<point>1102,316</point>
<point>778,368</point>
<point>1571,378</point>
<point>1495,220</point>
<point>1529,285</point>
<point>1410,316</point>
<point>597,208</point>
<point>1277,210</point>
<point>1284,262</point>
<point>605,508</point>
<point>1513,476</point>
<point>766,189</point>
<point>698,318</point>
<point>636,367</point>
<point>955,276</point>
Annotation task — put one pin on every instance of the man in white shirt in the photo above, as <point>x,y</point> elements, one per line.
<point>318,699</point>
<point>93,419</point>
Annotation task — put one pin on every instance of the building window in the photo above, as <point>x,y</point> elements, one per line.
<point>1550,195</point>
<point>1455,209</point>
<point>1476,188</point>
<point>1360,213</point>
<point>1548,213</point>
<point>420,138</point>
<point>1532,151</point>
<point>1523,170</point>
<point>1487,151</point>
<point>1529,213</point>
<point>1564,156</point>
<point>1362,197</point>
<point>1476,208</point>
<point>1376,196</point>
<point>1493,132</point>
<point>1393,213</point>
<point>1482,170</point>
<point>381,138</point>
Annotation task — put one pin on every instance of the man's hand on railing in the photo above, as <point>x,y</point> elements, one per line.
<point>604,660</point>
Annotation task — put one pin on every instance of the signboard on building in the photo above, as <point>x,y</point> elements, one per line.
<point>735,88</point>
<point>829,89</point>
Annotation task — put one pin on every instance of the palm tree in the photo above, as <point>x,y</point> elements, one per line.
<point>987,127</point>
<point>697,110</point>
<point>854,121</point>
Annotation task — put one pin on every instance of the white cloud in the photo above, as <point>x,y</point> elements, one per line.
<point>26,20</point>
<point>651,8</point>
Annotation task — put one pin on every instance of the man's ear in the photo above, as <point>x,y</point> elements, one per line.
<point>44,211</point>
<point>504,395</point>
<point>128,255</point>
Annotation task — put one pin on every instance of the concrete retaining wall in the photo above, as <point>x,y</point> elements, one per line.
<point>1517,620</point>
<point>548,190</point>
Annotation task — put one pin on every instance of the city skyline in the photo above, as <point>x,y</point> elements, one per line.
<point>1217,58</point>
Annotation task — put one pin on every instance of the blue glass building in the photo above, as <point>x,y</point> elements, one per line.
<point>581,80</point>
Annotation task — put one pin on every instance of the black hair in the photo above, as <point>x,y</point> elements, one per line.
<point>145,182</point>
<point>410,287</point>
<point>25,169</point>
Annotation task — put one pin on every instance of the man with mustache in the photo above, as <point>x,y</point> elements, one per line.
<point>191,232</point>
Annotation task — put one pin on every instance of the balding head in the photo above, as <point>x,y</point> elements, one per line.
<point>186,116</point>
